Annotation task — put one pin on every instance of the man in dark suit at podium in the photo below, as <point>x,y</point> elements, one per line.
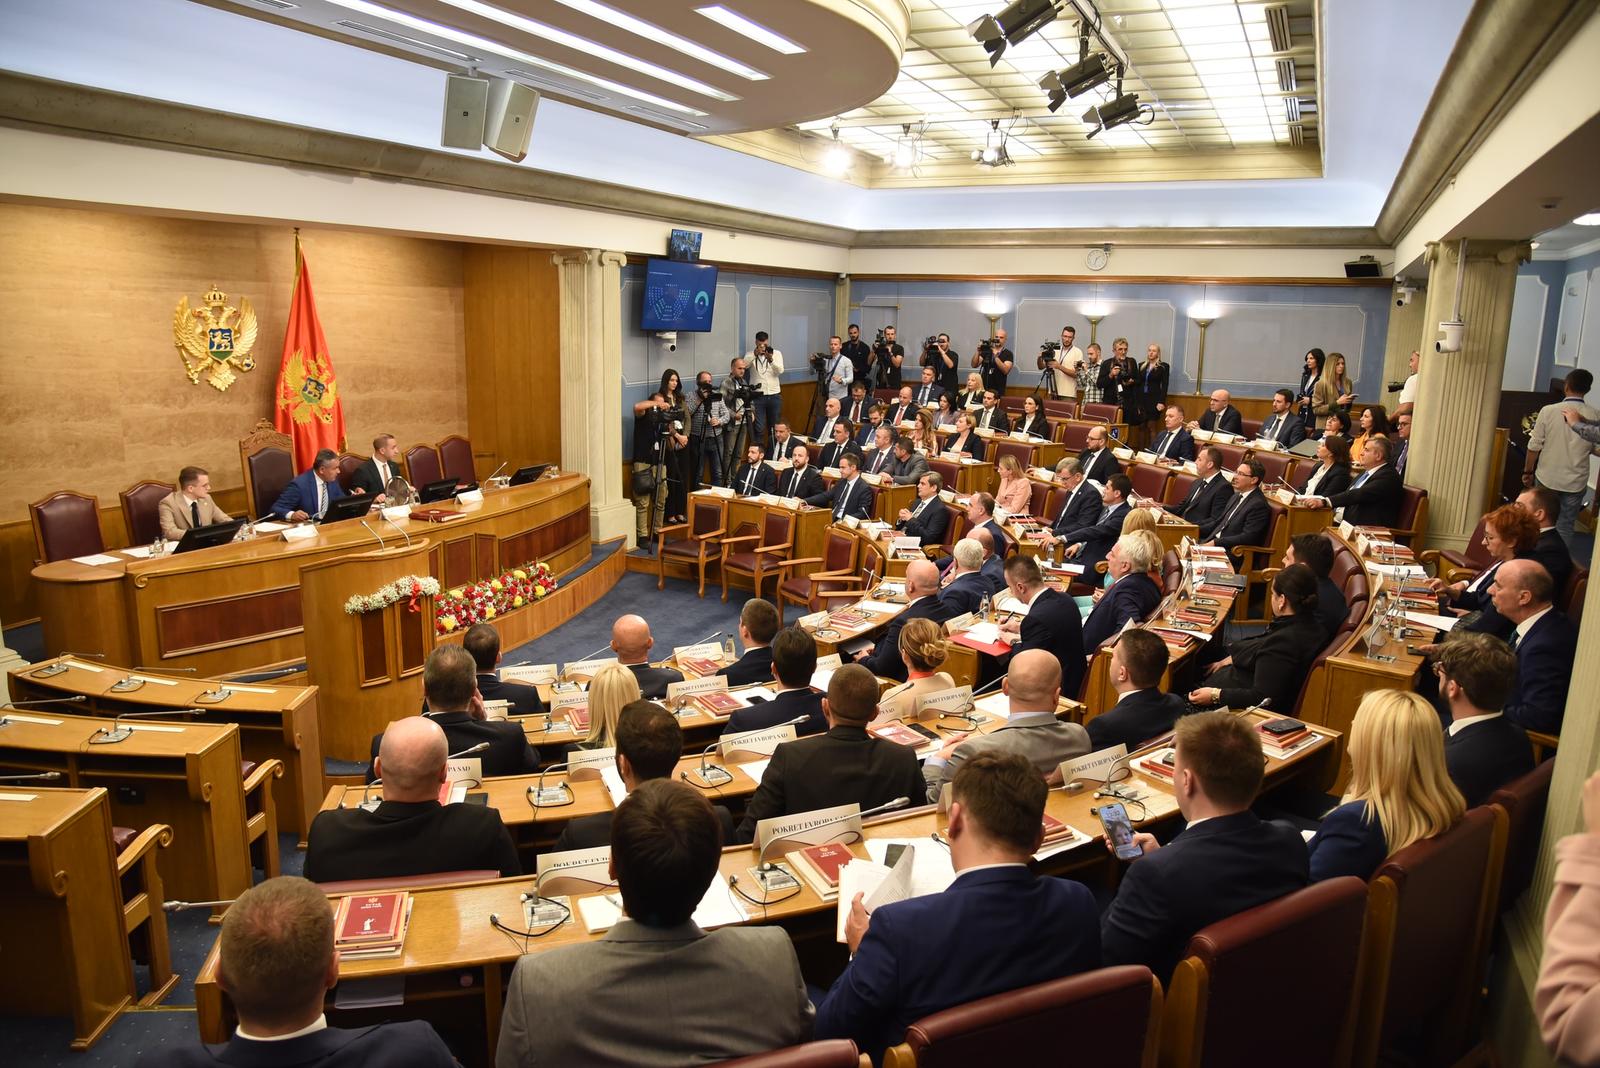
<point>373,477</point>
<point>483,642</point>
<point>276,961</point>
<point>449,685</point>
<point>310,492</point>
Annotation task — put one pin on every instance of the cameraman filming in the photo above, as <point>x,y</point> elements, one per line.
<point>738,395</point>
<point>708,418</point>
<point>886,359</point>
<point>858,354</point>
<point>994,362</point>
<point>652,441</point>
<point>766,367</point>
<point>936,354</point>
<point>1062,361</point>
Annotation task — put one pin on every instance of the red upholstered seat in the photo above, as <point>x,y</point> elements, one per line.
<point>141,510</point>
<point>1251,427</point>
<point>1571,597</point>
<point>66,524</point>
<point>1171,573</point>
<point>270,469</point>
<point>946,469</point>
<point>1039,497</point>
<point>695,542</point>
<point>831,1053</point>
<point>455,458</point>
<point>761,555</point>
<point>1413,518</point>
<point>1523,801</point>
<point>245,768</point>
<point>1075,435</point>
<point>1278,465</point>
<point>1022,451</point>
<point>349,464</point>
<point>422,465</point>
<point>122,837</point>
<point>1178,487</point>
<point>1148,481</point>
<point>1232,455</point>
<point>1061,409</point>
<point>1101,413</point>
<point>810,576</point>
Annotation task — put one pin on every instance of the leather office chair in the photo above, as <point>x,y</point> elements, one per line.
<point>1572,596</point>
<point>800,579</point>
<point>1061,409</point>
<point>267,459</point>
<point>1002,447</point>
<point>1214,1013</point>
<point>829,1053</point>
<point>1523,801</point>
<point>948,470</point>
<point>1251,427</point>
<point>1112,1016</point>
<point>349,464</point>
<point>1453,564</point>
<point>422,465</point>
<point>1149,481</point>
<point>957,529</point>
<point>66,524</point>
<point>455,459</point>
<point>1012,406</point>
<point>1412,521</point>
<point>141,509</point>
<point>759,554</point>
<point>692,542</point>
<point>1171,573</point>
<point>1101,413</point>
<point>1178,487</point>
<point>144,921</point>
<point>1279,466</point>
<point>1430,908</point>
<point>1075,435</point>
<point>1232,456</point>
<point>1039,498</point>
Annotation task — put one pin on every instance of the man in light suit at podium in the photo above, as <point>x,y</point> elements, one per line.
<point>190,505</point>
<point>310,492</point>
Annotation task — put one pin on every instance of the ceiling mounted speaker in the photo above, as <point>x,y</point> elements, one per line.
<point>466,100</point>
<point>509,122</point>
<point>1364,267</point>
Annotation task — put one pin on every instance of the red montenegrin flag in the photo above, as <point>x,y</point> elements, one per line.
<point>308,409</point>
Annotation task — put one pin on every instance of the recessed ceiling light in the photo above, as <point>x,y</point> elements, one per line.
<point>758,33</point>
<point>624,21</point>
<point>606,83</point>
<point>1591,219</point>
<point>414,42</point>
<point>588,47</point>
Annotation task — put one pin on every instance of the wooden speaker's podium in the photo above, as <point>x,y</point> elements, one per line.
<point>368,665</point>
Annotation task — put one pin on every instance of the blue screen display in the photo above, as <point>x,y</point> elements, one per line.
<point>678,296</point>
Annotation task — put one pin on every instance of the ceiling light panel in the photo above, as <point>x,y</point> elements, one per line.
<point>745,27</point>
<point>655,34</point>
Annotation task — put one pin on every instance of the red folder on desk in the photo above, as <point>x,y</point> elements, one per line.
<point>992,648</point>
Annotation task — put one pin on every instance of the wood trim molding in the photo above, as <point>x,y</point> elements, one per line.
<point>1130,279</point>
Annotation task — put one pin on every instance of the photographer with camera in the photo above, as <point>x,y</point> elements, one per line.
<point>885,359</point>
<point>766,370</point>
<point>1118,376</point>
<point>708,419</point>
<point>653,434</point>
<point>936,354</point>
<point>1060,362</point>
<point>740,396</point>
<point>837,368</point>
<point>994,362</point>
<point>856,351</point>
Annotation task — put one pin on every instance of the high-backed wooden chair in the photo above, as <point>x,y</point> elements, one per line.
<point>349,464</point>
<point>695,541</point>
<point>141,509</point>
<point>1523,801</point>
<point>1256,561</point>
<point>800,579</point>
<point>1112,1014</point>
<point>455,459</point>
<point>826,1053</point>
<point>1213,1013</point>
<point>66,524</point>
<point>267,459</point>
<point>759,555</point>
<point>422,465</point>
<point>1412,522</point>
<point>261,814</point>
<point>1430,908</point>
<point>144,921</point>
<point>1457,564</point>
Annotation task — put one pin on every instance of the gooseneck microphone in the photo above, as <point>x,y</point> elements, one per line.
<point>42,776</point>
<point>118,733</point>
<point>75,699</point>
<point>765,870</point>
<point>374,533</point>
<point>52,670</point>
<point>555,796</point>
<point>714,775</point>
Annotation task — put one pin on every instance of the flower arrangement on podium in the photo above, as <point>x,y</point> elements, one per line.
<point>402,589</point>
<point>482,601</point>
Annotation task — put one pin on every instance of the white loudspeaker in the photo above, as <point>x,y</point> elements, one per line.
<point>509,120</point>
<point>466,101</point>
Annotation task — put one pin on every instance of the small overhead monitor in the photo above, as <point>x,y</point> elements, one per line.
<point>441,490</point>
<point>207,536</point>
<point>350,506</point>
<point>678,296</point>
<point>525,475</point>
<point>684,246</point>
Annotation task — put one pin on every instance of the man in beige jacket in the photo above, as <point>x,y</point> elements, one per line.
<point>190,505</point>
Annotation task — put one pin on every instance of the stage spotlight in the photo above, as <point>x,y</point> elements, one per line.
<point>1118,111</point>
<point>1014,25</point>
<point>1077,79</point>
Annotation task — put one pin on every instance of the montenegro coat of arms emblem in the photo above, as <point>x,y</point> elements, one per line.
<point>215,338</point>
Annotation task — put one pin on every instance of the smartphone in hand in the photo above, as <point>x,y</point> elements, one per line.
<point>1119,831</point>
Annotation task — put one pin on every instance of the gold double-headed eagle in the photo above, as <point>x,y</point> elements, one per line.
<point>214,337</point>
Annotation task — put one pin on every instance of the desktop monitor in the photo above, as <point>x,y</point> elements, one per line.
<point>207,536</point>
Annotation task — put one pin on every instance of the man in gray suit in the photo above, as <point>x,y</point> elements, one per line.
<point>657,990</point>
<point>1031,728</point>
<point>909,465</point>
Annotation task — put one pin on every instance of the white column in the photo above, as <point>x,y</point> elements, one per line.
<point>591,384</point>
<point>9,661</point>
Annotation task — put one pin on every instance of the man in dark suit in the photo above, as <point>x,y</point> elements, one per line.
<point>373,477</point>
<point>1089,545</point>
<point>1096,460</point>
<point>849,495</point>
<point>922,597</point>
<point>842,766</point>
<point>409,832</point>
<point>1210,494</point>
<point>1248,515</point>
<point>276,961</point>
<point>1374,498</point>
<point>753,475</point>
<point>1316,552</point>
<point>783,442</point>
<point>842,445</point>
<point>980,514</point>
<point>998,927</point>
<point>801,480</point>
<point>758,623</point>
<point>1483,750</point>
<point>453,701</point>
<point>993,568</point>
<point>908,464</point>
<point>927,394</point>
<point>1132,595</point>
<point>794,661</point>
<point>964,586</point>
<point>926,517</point>
<point>310,492</point>
<point>1082,504</point>
<point>1221,416</point>
<point>1174,442</point>
<point>1550,550</point>
<point>879,460</point>
<point>867,432</point>
<point>1053,622</point>
<point>991,416</point>
<point>901,411</point>
<point>1225,860</point>
<point>1142,711</point>
<point>482,640</point>
<point>632,641</point>
<point>1284,425</point>
<point>832,412</point>
<point>855,409</point>
<point>1545,641</point>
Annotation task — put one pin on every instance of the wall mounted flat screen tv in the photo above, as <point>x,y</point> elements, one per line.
<point>684,245</point>
<point>678,296</point>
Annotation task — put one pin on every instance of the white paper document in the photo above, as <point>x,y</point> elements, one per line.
<point>268,527</point>
<point>878,884</point>
<point>94,560</point>
<point>755,768</point>
<point>718,908</point>
<point>931,869</point>
<point>138,552</point>
<point>1428,620</point>
<point>614,784</point>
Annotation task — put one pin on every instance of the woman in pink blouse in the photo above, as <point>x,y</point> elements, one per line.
<point>1015,492</point>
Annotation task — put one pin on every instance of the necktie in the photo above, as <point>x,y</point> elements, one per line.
<point>844,495</point>
<point>1166,439</point>
<point>383,473</point>
<point>1232,508</point>
<point>1400,461</point>
<point>1515,638</point>
<point>1272,428</point>
<point>794,482</point>
<point>1194,491</point>
<point>1360,481</point>
<point>750,481</point>
<point>194,512</point>
<point>922,398</point>
<point>322,497</point>
<point>877,461</point>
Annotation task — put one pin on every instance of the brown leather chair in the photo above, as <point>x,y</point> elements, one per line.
<point>1279,466</point>
<point>1171,573</point>
<point>422,465</point>
<point>349,464</point>
<point>1110,1017</point>
<point>66,524</point>
<point>1251,427</point>
<point>1001,447</point>
<point>144,921</point>
<point>455,459</point>
<point>1012,406</point>
<point>800,579</point>
<point>1232,455</point>
<point>1572,596</point>
<point>1075,435</point>
<point>1039,497</point>
<point>1061,409</point>
<point>1178,487</point>
<point>1149,481</point>
<point>1412,522</point>
<point>829,1053</point>
<point>692,542</point>
<point>141,510</point>
<point>759,554</point>
<point>1214,1012</point>
<point>1453,564</point>
<point>1430,908</point>
<point>957,528</point>
<point>267,459</point>
<point>1101,413</point>
<point>948,470</point>
<point>1523,801</point>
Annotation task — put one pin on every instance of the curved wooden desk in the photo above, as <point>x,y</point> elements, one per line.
<point>237,607</point>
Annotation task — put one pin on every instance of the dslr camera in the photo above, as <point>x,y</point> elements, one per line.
<point>819,362</point>
<point>879,339</point>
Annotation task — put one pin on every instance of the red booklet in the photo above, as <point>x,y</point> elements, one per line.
<point>1054,829</point>
<point>700,665</point>
<point>999,648</point>
<point>364,918</point>
<point>898,733</point>
<point>578,716</point>
<point>827,860</point>
<point>718,702</point>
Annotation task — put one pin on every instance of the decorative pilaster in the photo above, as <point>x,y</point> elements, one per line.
<point>591,383</point>
<point>1405,336</point>
<point>9,661</point>
<point>1452,432</point>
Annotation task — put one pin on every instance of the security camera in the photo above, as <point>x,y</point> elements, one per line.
<point>1403,295</point>
<point>1453,331</point>
<point>669,338</point>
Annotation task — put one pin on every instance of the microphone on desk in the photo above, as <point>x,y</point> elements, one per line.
<point>557,795</point>
<point>398,527</point>
<point>714,775</point>
<point>118,733</point>
<point>61,665</point>
<point>374,533</point>
<point>75,699</point>
<point>180,906</point>
<point>366,792</point>
<point>561,680</point>
<point>497,471</point>
<point>43,776</point>
<point>480,747</point>
<point>966,711</point>
<point>765,869</point>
